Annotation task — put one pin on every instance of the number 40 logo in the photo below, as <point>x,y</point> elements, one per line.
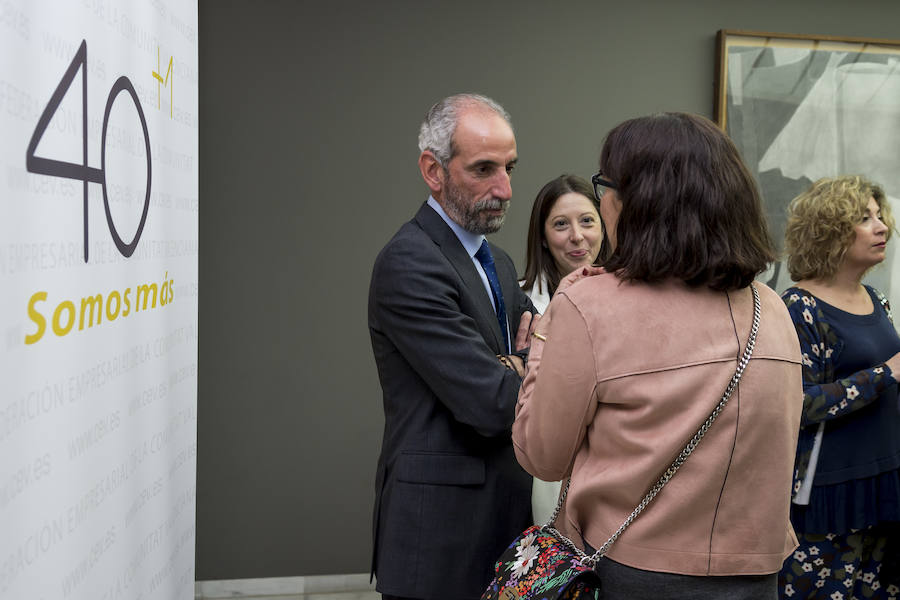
<point>82,172</point>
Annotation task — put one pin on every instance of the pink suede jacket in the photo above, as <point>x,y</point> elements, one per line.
<point>628,373</point>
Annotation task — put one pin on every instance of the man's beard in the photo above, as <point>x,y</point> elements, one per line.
<point>470,215</point>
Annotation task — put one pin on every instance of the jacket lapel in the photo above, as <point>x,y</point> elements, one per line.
<point>450,246</point>
<point>509,283</point>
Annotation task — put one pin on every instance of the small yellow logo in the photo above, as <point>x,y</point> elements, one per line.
<point>165,83</point>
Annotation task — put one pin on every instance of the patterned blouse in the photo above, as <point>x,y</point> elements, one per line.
<point>824,396</point>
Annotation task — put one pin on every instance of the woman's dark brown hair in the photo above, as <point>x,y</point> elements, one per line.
<point>690,208</point>
<point>538,259</point>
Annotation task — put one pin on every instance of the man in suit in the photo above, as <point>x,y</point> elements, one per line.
<point>449,324</point>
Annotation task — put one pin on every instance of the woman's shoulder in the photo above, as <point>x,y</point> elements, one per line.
<point>591,285</point>
<point>880,299</point>
<point>771,298</point>
<point>801,302</point>
<point>613,297</point>
<point>876,295</point>
<point>796,294</point>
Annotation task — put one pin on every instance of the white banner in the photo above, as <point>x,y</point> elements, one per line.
<point>98,299</point>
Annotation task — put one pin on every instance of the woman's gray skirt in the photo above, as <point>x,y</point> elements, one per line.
<point>627,583</point>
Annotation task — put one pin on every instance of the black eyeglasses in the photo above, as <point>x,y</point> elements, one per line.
<point>601,185</point>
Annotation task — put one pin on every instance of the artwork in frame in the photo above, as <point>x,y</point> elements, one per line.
<point>802,107</point>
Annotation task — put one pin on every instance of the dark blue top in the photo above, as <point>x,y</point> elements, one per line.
<point>856,483</point>
<point>865,442</point>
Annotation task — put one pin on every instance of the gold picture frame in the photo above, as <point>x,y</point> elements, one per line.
<point>802,107</point>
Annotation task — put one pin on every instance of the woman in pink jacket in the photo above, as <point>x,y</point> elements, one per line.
<point>627,363</point>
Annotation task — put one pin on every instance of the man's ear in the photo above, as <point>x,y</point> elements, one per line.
<point>432,172</point>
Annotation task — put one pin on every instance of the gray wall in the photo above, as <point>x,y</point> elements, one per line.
<point>309,115</point>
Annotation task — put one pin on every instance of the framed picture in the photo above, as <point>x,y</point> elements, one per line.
<point>802,107</point>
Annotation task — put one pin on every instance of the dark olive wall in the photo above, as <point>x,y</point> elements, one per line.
<point>309,117</point>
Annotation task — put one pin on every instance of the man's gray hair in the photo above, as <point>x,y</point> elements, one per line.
<point>436,133</point>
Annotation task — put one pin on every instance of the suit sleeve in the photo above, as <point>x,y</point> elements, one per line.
<point>417,304</point>
<point>523,303</point>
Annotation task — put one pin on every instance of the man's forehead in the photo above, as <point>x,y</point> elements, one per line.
<point>483,131</point>
<point>482,120</point>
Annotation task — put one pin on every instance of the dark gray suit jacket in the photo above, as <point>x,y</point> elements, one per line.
<point>450,496</point>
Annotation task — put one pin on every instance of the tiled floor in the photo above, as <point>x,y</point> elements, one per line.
<point>320,587</point>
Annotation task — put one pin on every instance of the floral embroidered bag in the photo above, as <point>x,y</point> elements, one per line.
<point>538,565</point>
<point>543,564</point>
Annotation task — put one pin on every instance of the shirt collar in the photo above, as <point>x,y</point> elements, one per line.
<point>470,241</point>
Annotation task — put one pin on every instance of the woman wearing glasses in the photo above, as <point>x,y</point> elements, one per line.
<point>627,363</point>
<point>564,234</point>
<point>846,503</point>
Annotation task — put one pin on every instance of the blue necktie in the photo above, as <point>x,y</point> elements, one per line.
<point>487,263</point>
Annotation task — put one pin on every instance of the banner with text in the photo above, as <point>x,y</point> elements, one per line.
<point>98,299</point>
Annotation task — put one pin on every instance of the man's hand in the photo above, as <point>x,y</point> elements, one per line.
<point>527,323</point>
<point>518,364</point>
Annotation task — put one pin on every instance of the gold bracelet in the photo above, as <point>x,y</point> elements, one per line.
<point>539,336</point>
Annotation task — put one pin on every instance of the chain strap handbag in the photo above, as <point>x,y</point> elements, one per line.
<point>543,564</point>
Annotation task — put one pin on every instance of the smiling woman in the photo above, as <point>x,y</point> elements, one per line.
<point>565,232</point>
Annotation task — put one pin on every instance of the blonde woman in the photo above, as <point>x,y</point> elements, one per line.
<point>846,494</point>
